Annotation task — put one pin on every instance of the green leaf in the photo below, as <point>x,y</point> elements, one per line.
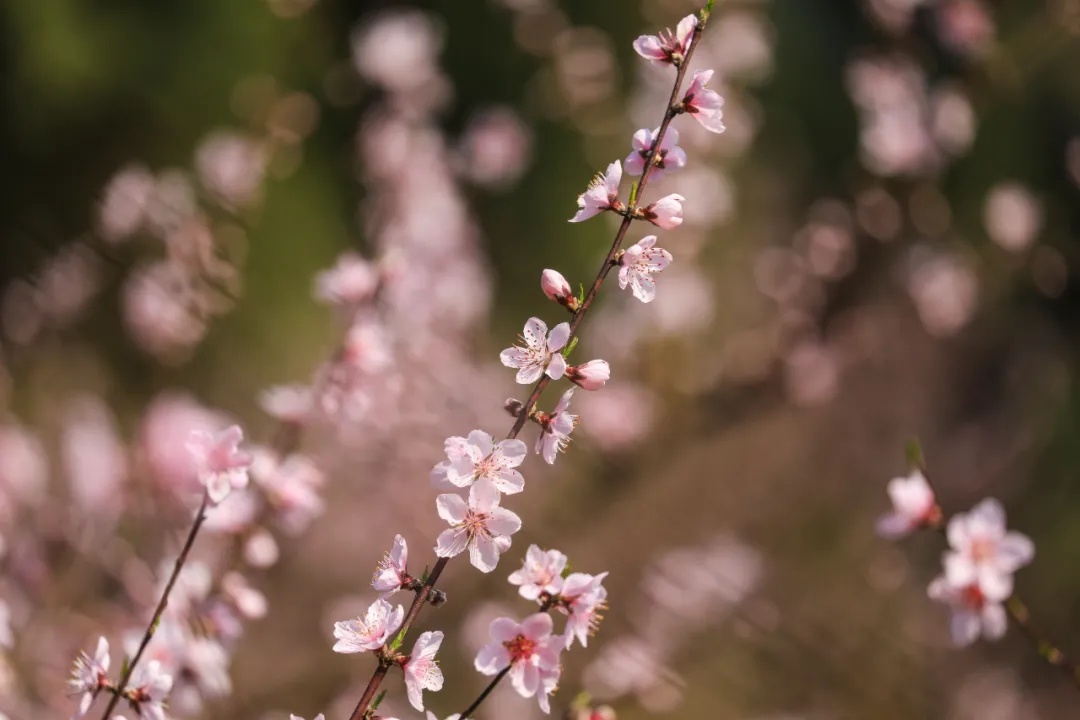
<point>581,293</point>
<point>569,348</point>
<point>398,639</point>
<point>567,570</point>
<point>424,576</point>
<point>914,454</point>
<point>378,701</point>
<point>633,194</point>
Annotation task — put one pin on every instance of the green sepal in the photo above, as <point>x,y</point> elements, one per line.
<point>914,454</point>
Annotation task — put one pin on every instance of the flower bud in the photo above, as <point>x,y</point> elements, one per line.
<point>514,407</point>
<point>558,289</point>
<point>666,212</point>
<point>590,376</point>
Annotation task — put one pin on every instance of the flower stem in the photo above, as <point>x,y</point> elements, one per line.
<point>534,396</point>
<point>200,517</point>
<point>483,696</point>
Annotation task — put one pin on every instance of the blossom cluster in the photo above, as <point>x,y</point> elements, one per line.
<point>478,469</point>
<point>978,567</point>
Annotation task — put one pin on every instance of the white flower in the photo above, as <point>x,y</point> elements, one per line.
<point>913,506</point>
<point>976,610</point>
<point>703,104</point>
<point>602,194</point>
<point>592,375</point>
<point>89,674</point>
<point>148,689</point>
<point>379,623</point>
<point>392,572</point>
<point>638,264</point>
<point>983,551</point>
<point>479,456</point>
<point>583,600</point>
<point>531,652</point>
<point>669,156</point>
<point>540,353</point>
<point>481,525</point>
<point>421,670</point>
<point>220,463</point>
<point>667,212</point>
<point>667,48</point>
<point>541,573</point>
<point>556,429</point>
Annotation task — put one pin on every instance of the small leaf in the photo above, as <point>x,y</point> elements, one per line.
<point>378,701</point>
<point>569,348</point>
<point>567,570</point>
<point>424,576</point>
<point>633,194</point>
<point>398,639</point>
<point>915,454</point>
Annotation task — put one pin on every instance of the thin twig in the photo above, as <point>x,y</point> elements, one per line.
<point>483,696</point>
<point>162,604</point>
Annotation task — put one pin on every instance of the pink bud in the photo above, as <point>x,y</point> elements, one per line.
<point>666,212</point>
<point>558,289</point>
<point>590,376</point>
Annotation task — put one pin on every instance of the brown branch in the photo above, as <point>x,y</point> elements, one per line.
<point>162,604</point>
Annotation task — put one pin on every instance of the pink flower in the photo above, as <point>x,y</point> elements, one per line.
<point>976,610</point>
<point>637,266</point>
<point>480,457</point>
<point>913,506</point>
<point>665,212</point>
<point>541,573</point>
<point>89,675</point>
<point>669,156</point>
<point>288,403</point>
<point>556,429</point>
<point>351,281</point>
<point>456,449</point>
<point>668,48</point>
<point>320,716</point>
<point>220,463</point>
<point>538,356</point>
<point>583,599</point>
<point>481,526</point>
<point>392,572</point>
<point>602,194</point>
<point>983,551</point>
<point>421,670</point>
<point>148,689</point>
<point>591,375</point>
<point>703,104</point>
<point>530,651</point>
<point>558,289</point>
<point>379,623</point>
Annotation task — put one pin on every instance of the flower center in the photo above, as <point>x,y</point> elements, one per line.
<point>520,648</point>
<point>973,597</point>
<point>982,549</point>
<point>475,523</point>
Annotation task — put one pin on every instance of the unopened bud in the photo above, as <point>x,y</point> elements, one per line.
<point>558,289</point>
<point>590,376</point>
<point>436,597</point>
<point>514,407</point>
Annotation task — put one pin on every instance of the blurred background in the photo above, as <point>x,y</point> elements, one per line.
<point>880,246</point>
